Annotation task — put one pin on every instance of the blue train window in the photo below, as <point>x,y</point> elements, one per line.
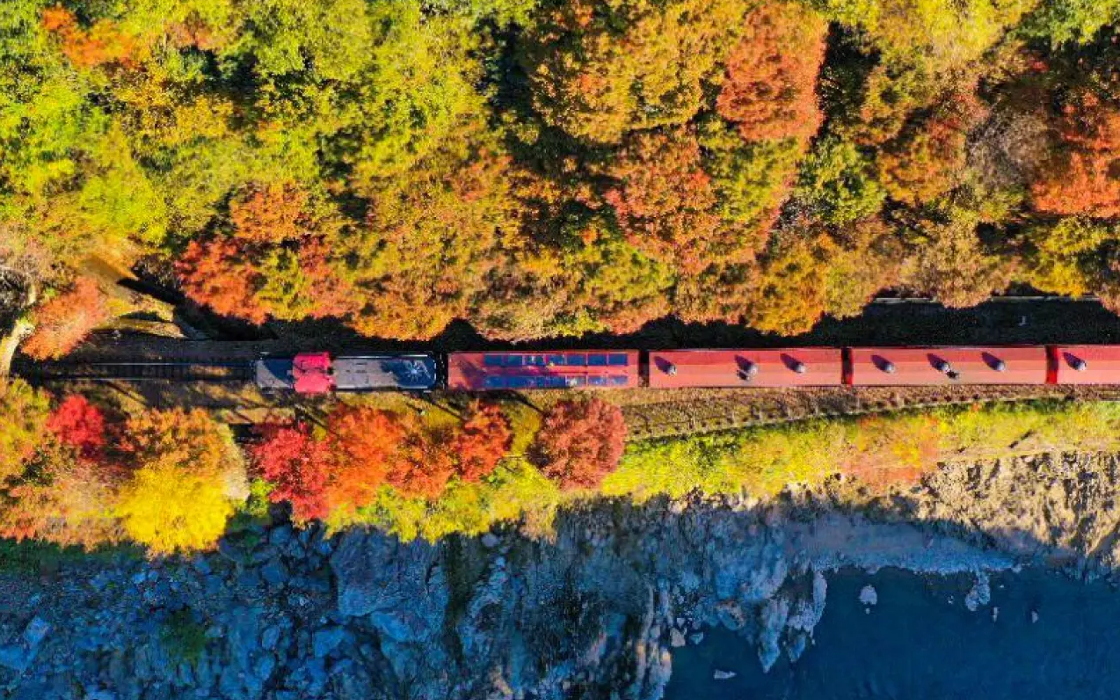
<point>618,360</point>
<point>534,360</point>
<point>556,360</point>
<point>494,383</point>
<point>519,382</point>
<point>597,381</point>
<point>492,360</point>
<point>597,360</point>
<point>574,382</point>
<point>620,380</point>
<point>515,360</point>
<point>577,360</point>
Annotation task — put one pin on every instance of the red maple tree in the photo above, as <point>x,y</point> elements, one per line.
<point>79,424</point>
<point>580,443</point>
<point>298,465</point>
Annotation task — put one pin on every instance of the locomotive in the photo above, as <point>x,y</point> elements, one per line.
<point>319,373</point>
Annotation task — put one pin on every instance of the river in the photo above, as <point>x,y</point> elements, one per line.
<point>920,642</point>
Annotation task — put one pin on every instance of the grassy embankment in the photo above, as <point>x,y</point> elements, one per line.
<point>887,450</point>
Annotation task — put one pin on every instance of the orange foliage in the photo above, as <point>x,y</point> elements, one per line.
<point>274,262</point>
<point>1082,175</point>
<point>101,44</point>
<point>929,157</point>
<point>363,445</point>
<point>580,443</point>
<point>425,463</point>
<point>66,320</point>
<point>484,439</point>
<point>664,200</point>
<point>770,88</point>
<point>270,214</point>
<point>893,452</point>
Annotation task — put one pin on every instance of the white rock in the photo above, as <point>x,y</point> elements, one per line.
<point>676,638</point>
<point>720,675</point>
<point>868,595</point>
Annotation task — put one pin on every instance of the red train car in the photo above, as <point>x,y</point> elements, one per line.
<point>564,369</point>
<point>745,368</point>
<point>1085,364</point>
<point>947,365</point>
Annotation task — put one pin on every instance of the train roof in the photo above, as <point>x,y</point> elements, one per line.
<point>1087,364</point>
<point>745,368</point>
<point>920,366</point>
<point>388,371</point>
<point>552,369</point>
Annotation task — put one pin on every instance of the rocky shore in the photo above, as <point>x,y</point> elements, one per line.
<point>590,612</point>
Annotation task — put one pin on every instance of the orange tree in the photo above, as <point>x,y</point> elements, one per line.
<point>770,87</point>
<point>65,320</point>
<point>580,442</point>
<point>482,441</point>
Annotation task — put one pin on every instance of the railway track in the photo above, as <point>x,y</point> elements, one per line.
<point>198,371</point>
<point>756,409</point>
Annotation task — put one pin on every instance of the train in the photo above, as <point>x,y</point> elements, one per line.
<point>512,370</point>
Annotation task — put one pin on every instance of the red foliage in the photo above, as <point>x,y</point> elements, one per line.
<point>299,467</point>
<point>484,439</point>
<point>770,88</point>
<point>1082,175</point>
<point>64,321</point>
<point>79,424</point>
<point>580,443</point>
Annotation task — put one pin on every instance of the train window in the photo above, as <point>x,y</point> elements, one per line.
<point>492,360</point>
<point>534,360</point>
<point>494,383</point>
<point>577,360</point>
<point>596,360</point>
<point>556,382</point>
<point>618,359</point>
<point>556,360</point>
<point>515,360</point>
<point>596,380</point>
<point>619,380</point>
<point>574,382</point>
<point>519,382</point>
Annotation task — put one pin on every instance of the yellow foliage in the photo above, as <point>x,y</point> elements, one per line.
<point>171,508</point>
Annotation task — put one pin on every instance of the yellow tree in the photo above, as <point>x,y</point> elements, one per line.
<point>177,498</point>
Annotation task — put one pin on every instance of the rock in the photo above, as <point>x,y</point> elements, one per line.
<point>696,638</point>
<point>721,675</point>
<point>270,637</point>
<point>868,595</point>
<point>327,640</point>
<point>676,638</point>
<point>995,613</point>
<point>980,594</point>
<point>280,536</point>
<point>275,573</point>
<point>489,540</point>
<point>35,632</point>
<point>1034,616</point>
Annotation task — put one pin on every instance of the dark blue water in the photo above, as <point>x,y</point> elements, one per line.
<point>915,644</point>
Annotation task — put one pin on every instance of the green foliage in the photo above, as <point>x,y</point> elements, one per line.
<point>838,182</point>
<point>184,637</point>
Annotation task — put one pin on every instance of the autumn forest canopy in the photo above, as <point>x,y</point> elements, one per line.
<point>545,167</point>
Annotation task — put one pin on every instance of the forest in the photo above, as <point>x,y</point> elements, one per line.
<point>554,167</point>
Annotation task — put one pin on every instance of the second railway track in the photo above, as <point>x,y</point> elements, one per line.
<point>181,371</point>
